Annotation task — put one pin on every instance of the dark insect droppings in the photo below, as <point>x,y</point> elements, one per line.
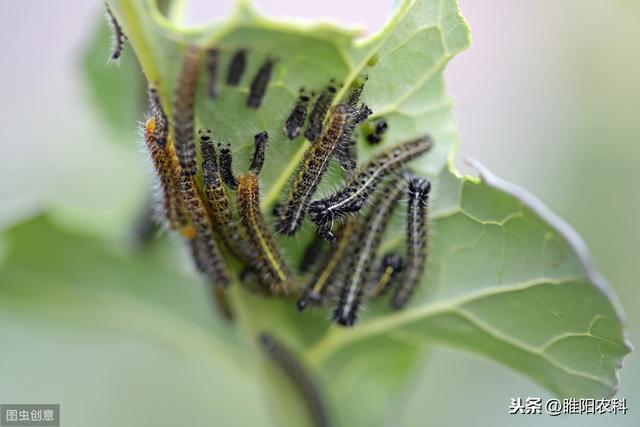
<point>259,84</point>
<point>119,38</point>
<point>236,67</point>
<point>376,136</point>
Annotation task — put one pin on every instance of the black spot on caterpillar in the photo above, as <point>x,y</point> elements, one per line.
<point>289,365</point>
<point>259,84</point>
<point>310,172</point>
<point>376,136</point>
<point>389,269</point>
<point>209,257</point>
<point>183,110</point>
<point>213,67</point>
<point>236,67</point>
<point>328,272</point>
<point>119,38</point>
<point>161,127</point>
<point>311,254</point>
<point>167,170</point>
<point>267,259</point>
<point>417,212</point>
<point>226,167</point>
<point>296,119</point>
<point>257,161</point>
<point>364,251</point>
<point>318,113</point>
<point>219,203</point>
<point>350,199</point>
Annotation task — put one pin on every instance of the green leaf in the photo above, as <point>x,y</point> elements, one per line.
<point>506,279</point>
<point>77,314</point>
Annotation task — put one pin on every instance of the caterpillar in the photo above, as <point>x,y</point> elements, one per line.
<point>376,136</point>
<point>161,125</point>
<point>119,38</point>
<point>167,171</point>
<point>257,161</point>
<point>266,258</point>
<point>269,262</point>
<point>346,151</point>
<point>226,167</point>
<point>213,67</point>
<point>318,113</point>
<point>350,199</point>
<point>310,172</point>
<point>259,84</point>
<point>236,67</point>
<point>296,119</point>
<point>417,217</point>
<point>209,254</point>
<point>287,362</point>
<point>364,252</point>
<point>389,269</point>
<point>218,201</point>
<point>328,272</point>
<point>183,110</point>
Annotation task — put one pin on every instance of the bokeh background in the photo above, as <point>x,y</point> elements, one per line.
<point>547,97</point>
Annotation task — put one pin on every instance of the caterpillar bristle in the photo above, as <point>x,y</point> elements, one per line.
<point>359,269</point>
<point>416,258</point>
<point>310,172</point>
<point>351,197</point>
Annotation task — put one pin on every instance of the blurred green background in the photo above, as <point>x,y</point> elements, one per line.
<point>546,97</point>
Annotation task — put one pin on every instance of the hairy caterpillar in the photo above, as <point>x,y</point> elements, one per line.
<point>119,38</point>
<point>236,67</point>
<point>269,262</point>
<point>310,172</point>
<point>209,254</point>
<point>218,201</point>
<point>167,170</point>
<point>318,113</point>
<point>367,241</point>
<point>417,212</point>
<point>389,269</point>
<point>295,121</point>
<point>351,198</point>
<point>226,167</point>
<point>259,84</point>
<point>311,254</point>
<point>328,271</point>
<point>257,161</point>
<point>161,125</point>
<point>286,361</point>
<point>183,110</point>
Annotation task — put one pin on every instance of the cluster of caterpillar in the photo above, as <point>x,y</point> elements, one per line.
<point>221,217</point>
